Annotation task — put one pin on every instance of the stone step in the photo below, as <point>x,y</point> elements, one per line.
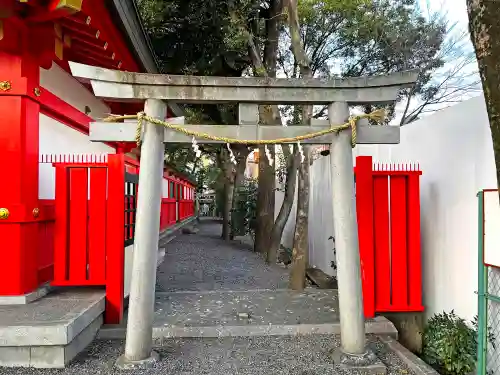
<point>50,332</point>
<point>247,313</point>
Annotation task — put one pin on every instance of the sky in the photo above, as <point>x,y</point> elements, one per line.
<point>456,9</point>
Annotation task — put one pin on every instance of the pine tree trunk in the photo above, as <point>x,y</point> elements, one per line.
<point>285,210</point>
<point>484,27</point>
<point>300,251</point>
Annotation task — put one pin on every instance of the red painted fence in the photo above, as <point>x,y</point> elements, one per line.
<point>388,211</point>
<point>168,214</point>
<point>84,232</point>
<point>89,227</point>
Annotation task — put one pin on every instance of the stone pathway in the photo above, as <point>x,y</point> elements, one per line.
<point>203,261</point>
<point>221,310</point>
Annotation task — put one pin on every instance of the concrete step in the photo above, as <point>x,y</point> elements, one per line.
<point>50,332</point>
<point>247,313</point>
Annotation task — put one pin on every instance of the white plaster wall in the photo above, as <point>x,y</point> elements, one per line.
<point>164,188</point>
<point>57,138</point>
<point>455,152</point>
<point>129,256</point>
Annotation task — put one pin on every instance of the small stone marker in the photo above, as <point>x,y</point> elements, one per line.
<point>190,230</point>
<point>244,315</point>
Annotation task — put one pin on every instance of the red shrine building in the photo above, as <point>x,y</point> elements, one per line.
<point>67,205</point>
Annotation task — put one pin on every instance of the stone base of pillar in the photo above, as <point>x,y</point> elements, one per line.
<point>124,364</point>
<point>364,364</point>
<point>24,299</point>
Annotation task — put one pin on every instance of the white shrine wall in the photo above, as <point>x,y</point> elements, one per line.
<point>455,153</point>
<point>58,138</point>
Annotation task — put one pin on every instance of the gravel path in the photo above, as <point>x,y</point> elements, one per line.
<point>298,355</point>
<point>203,261</point>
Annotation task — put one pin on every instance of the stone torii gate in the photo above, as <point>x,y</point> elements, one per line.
<point>248,93</point>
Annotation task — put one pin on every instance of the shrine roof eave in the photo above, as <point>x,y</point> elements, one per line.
<point>126,17</point>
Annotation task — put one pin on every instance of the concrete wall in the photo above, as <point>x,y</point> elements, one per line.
<point>455,152</point>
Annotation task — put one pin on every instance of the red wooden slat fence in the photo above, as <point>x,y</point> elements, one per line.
<point>89,228</point>
<point>84,228</point>
<point>167,218</point>
<point>388,213</point>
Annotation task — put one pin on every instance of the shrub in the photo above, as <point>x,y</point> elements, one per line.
<point>449,344</point>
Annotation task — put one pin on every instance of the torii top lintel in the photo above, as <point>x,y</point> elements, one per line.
<point>126,86</point>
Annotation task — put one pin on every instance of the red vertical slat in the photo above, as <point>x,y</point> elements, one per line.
<point>97,224</point>
<point>382,249</point>
<point>78,223</point>
<point>61,226</point>
<point>364,209</point>
<point>115,238</point>
<point>414,255</point>
<point>399,259</point>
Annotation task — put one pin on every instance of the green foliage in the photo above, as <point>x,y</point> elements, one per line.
<point>349,38</point>
<point>195,37</point>
<point>244,212</point>
<point>450,344</point>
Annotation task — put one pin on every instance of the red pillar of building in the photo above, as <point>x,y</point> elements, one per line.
<point>19,143</point>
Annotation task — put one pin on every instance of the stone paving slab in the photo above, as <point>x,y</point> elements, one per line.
<point>53,320</point>
<point>262,306</point>
<point>247,313</point>
<point>284,355</point>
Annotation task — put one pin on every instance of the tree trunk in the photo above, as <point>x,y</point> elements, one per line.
<point>265,203</point>
<point>269,115</point>
<point>285,210</point>
<point>239,177</point>
<point>300,251</point>
<point>228,201</point>
<point>484,27</point>
<point>228,177</point>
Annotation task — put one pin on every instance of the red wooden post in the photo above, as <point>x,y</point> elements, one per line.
<point>115,239</point>
<point>78,219</point>
<point>382,244</point>
<point>364,210</point>
<point>61,226</point>
<point>19,111</point>
<point>97,224</point>
<point>414,251</point>
<point>399,259</point>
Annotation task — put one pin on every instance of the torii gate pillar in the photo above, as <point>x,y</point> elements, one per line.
<point>352,324</point>
<point>139,343</point>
